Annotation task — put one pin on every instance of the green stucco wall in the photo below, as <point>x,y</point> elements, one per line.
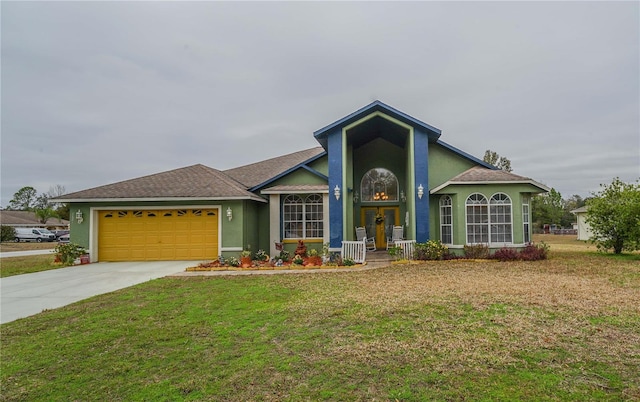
<point>444,165</point>
<point>459,195</point>
<point>321,165</point>
<point>300,176</point>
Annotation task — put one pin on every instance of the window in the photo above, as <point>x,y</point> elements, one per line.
<point>489,221</point>
<point>477,219</point>
<point>303,217</point>
<point>446,220</point>
<point>525,220</point>
<point>500,211</point>
<point>379,185</point>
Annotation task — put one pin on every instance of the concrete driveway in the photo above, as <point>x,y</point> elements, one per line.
<point>29,294</point>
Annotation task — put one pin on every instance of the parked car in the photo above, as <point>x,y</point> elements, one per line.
<point>34,234</point>
<point>64,238</point>
<point>59,233</point>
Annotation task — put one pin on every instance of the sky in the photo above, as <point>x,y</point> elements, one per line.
<point>94,93</point>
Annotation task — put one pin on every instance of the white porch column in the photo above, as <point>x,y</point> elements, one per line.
<point>274,223</point>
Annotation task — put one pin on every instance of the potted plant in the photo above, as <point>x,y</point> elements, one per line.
<point>314,257</point>
<point>245,258</point>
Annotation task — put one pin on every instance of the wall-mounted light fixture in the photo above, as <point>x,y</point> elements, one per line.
<point>403,196</point>
<point>229,213</point>
<point>79,217</point>
<point>356,197</point>
<point>420,191</point>
<point>336,192</point>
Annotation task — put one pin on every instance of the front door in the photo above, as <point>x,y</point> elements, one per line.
<point>379,222</point>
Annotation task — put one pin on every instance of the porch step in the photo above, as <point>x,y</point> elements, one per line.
<point>378,256</point>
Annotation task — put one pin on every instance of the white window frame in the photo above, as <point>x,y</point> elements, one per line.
<point>446,210</point>
<point>480,219</point>
<point>308,216</point>
<point>500,219</point>
<point>526,224</point>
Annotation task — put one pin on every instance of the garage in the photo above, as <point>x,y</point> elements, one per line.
<point>157,235</point>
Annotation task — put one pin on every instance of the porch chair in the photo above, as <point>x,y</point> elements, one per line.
<point>396,235</point>
<point>361,235</point>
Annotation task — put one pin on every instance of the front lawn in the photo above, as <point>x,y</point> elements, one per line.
<point>567,328</point>
<point>10,266</point>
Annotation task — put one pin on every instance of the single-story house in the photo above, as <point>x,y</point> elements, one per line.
<point>584,230</point>
<point>376,167</point>
<point>28,219</point>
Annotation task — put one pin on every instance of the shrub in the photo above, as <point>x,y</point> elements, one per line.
<point>395,252</point>
<point>69,252</point>
<point>298,260</point>
<point>233,261</point>
<point>507,254</point>
<point>7,233</point>
<point>430,250</point>
<point>262,255</point>
<point>532,252</point>
<point>476,251</point>
<point>348,262</point>
<point>535,252</point>
<point>285,255</point>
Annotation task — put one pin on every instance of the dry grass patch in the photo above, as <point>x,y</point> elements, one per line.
<point>25,246</point>
<point>563,329</point>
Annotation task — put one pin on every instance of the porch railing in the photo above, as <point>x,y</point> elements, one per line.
<point>355,250</point>
<point>407,248</point>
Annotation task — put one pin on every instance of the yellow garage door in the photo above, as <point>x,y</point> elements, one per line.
<point>158,235</point>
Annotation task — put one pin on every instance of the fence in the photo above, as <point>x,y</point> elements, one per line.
<point>407,248</point>
<point>355,250</point>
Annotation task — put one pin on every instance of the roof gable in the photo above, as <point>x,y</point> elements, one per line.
<point>483,175</point>
<point>259,174</point>
<point>192,182</point>
<point>373,108</point>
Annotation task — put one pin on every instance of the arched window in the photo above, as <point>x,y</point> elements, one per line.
<point>500,217</point>
<point>477,219</point>
<point>379,185</point>
<point>446,220</point>
<point>302,218</point>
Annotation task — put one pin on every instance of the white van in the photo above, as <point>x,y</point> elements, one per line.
<point>34,234</point>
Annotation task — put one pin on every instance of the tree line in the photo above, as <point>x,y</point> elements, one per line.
<point>27,199</point>
<point>613,214</point>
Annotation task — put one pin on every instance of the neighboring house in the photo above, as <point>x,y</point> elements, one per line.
<point>377,167</point>
<point>584,230</point>
<point>28,219</point>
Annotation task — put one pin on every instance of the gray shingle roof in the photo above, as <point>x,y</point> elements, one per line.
<point>483,175</point>
<point>260,172</point>
<point>192,182</point>
<point>28,218</point>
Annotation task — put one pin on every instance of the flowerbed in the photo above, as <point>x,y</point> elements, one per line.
<point>261,261</point>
